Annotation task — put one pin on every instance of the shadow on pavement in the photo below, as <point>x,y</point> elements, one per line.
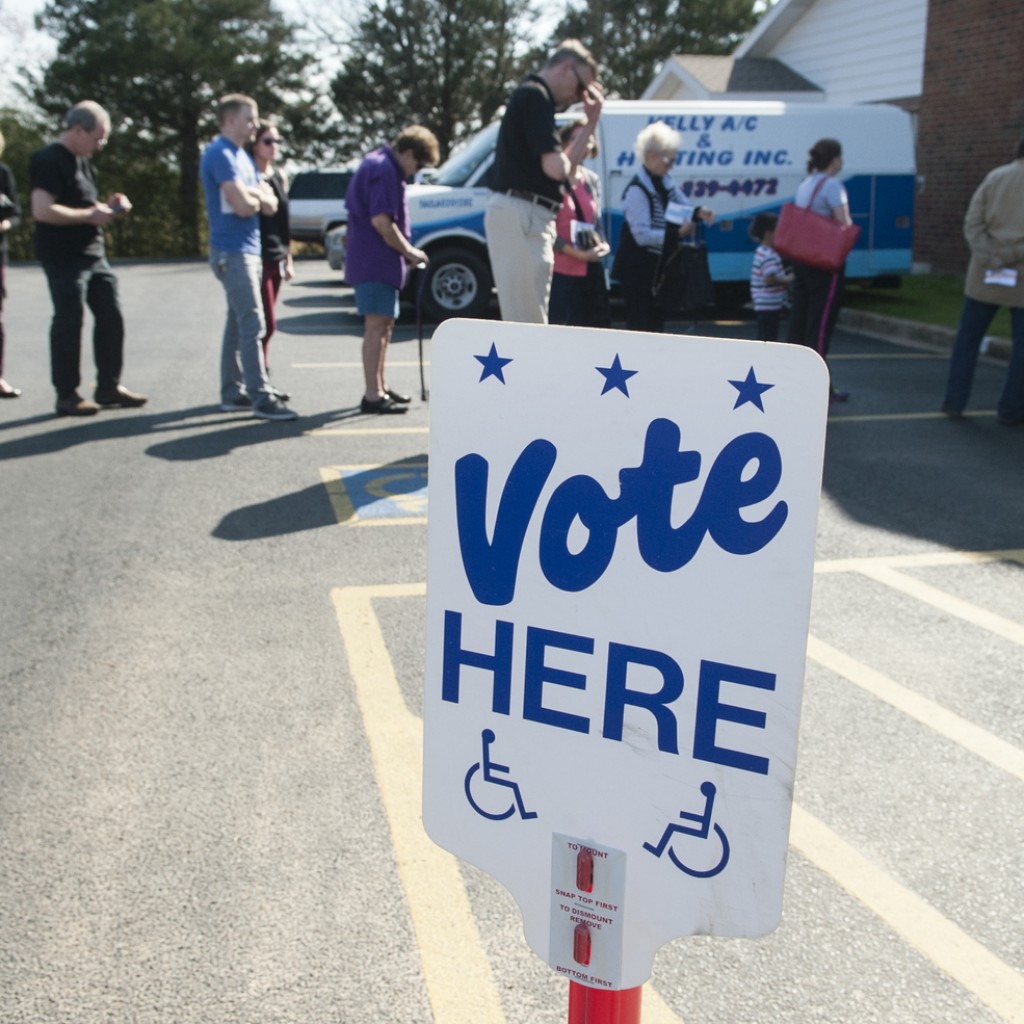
<point>946,482</point>
<point>314,507</point>
<point>107,425</point>
<point>308,509</point>
<point>242,431</point>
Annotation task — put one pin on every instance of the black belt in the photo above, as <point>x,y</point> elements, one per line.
<point>554,205</point>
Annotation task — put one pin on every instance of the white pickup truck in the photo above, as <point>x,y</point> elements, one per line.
<point>316,202</point>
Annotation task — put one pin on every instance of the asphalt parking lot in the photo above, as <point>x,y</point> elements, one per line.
<point>213,647</point>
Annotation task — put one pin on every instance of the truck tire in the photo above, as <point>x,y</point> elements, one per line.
<point>458,284</point>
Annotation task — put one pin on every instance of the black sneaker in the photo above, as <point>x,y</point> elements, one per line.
<point>382,405</point>
<point>269,408</point>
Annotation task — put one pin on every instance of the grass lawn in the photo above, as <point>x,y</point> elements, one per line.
<point>927,298</point>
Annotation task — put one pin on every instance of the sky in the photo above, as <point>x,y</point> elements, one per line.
<point>21,44</point>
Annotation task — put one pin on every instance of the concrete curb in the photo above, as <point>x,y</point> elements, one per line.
<point>894,328</point>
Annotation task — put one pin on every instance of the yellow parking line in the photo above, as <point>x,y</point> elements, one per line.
<point>354,365</point>
<point>458,977</point>
<point>886,417</point>
<point>923,559</point>
<point>363,431</point>
<point>457,974</point>
<point>1006,628</point>
<point>965,960</point>
<point>978,741</point>
<point>887,356</point>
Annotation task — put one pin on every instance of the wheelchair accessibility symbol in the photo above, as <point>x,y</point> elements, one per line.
<point>701,829</point>
<point>489,778</point>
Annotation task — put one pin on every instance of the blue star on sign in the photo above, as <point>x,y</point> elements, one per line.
<point>615,376</point>
<point>750,390</point>
<point>493,364</point>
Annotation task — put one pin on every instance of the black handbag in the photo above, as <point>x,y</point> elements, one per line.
<point>682,280</point>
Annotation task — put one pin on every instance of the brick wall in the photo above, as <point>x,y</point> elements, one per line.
<point>971,117</point>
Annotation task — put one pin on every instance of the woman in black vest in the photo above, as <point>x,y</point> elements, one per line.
<point>649,201</point>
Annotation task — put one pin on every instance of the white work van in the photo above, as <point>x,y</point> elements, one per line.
<point>738,158</point>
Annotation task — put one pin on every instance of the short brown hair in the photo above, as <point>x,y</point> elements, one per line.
<point>233,101</point>
<point>421,141</point>
<point>574,50</point>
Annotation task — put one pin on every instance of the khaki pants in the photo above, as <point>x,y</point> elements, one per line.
<point>521,244</point>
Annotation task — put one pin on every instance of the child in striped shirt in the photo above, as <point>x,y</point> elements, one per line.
<point>768,278</point>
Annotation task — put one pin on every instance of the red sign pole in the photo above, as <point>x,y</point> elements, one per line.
<point>599,1006</point>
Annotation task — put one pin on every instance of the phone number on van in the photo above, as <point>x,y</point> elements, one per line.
<point>749,187</point>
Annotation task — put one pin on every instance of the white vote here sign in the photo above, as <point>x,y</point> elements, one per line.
<point>621,543</point>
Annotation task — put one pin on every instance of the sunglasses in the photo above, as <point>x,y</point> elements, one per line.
<point>270,140</point>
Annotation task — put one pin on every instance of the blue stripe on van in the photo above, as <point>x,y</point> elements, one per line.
<point>884,246</point>
<point>473,225</point>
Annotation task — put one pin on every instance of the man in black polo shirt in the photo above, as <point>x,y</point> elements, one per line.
<point>529,169</point>
<point>70,218</point>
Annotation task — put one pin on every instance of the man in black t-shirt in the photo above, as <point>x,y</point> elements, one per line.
<point>529,169</point>
<point>69,220</point>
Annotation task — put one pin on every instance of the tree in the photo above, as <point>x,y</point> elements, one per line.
<point>630,38</point>
<point>447,64</point>
<point>158,67</point>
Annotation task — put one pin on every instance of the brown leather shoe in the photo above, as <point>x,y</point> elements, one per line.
<point>119,396</point>
<point>75,405</point>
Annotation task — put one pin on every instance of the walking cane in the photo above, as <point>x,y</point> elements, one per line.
<point>421,267</point>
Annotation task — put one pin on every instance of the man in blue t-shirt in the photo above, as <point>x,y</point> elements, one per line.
<point>235,196</point>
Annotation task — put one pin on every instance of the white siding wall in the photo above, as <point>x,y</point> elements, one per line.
<point>859,51</point>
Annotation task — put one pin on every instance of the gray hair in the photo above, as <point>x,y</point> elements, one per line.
<point>658,138</point>
<point>87,115</point>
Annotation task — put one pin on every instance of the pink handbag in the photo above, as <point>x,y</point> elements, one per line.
<point>807,237</point>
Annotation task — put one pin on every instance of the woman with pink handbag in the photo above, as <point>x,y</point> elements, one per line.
<point>817,293</point>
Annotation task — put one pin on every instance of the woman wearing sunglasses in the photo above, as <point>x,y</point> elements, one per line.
<point>275,238</point>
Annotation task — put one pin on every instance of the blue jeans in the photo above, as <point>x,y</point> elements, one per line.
<point>242,369</point>
<point>974,322</point>
<point>74,284</point>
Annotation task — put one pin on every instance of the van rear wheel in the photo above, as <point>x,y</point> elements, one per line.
<point>458,284</point>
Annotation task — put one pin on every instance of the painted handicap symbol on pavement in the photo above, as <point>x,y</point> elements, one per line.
<point>489,771</point>
<point>701,829</point>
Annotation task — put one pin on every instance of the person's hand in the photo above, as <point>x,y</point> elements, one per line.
<point>119,203</point>
<point>706,215</point>
<point>5,226</point>
<point>416,257</point>
<point>289,269</point>
<point>101,215</point>
<point>598,252</point>
<point>593,100</point>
